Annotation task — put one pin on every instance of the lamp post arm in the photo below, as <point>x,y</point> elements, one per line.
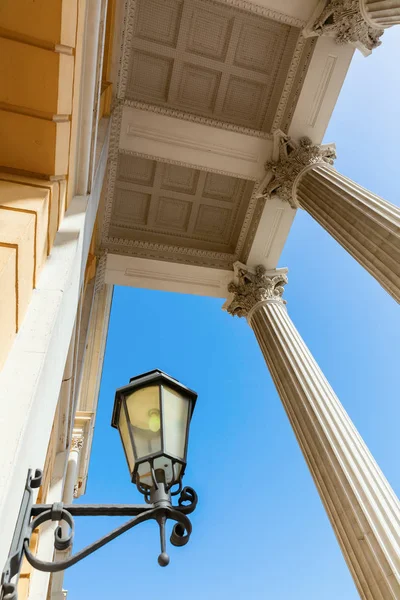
<point>97,510</point>
<point>54,567</point>
<point>32,516</point>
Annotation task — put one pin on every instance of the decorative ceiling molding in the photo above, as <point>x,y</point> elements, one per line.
<point>248,218</point>
<point>293,96</point>
<point>264,11</point>
<point>115,131</point>
<point>280,111</point>
<point>127,35</point>
<point>157,251</point>
<point>255,221</point>
<point>179,114</point>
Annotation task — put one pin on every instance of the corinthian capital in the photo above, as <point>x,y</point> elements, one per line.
<point>77,443</point>
<point>345,21</point>
<point>252,287</point>
<point>293,159</point>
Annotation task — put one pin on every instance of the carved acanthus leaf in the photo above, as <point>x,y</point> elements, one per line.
<point>252,288</point>
<point>343,20</point>
<point>293,159</point>
<point>77,443</point>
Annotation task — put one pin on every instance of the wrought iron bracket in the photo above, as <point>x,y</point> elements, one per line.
<point>33,515</point>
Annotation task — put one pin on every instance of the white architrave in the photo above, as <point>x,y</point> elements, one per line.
<point>171,139</point>
<point>31,378</point>
<point>166,276</point>
<point>321,88</point>
<point>362,507</point>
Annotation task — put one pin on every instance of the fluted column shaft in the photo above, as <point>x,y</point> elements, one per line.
<point>362,508</point>
<point>381,13</point>
<point>367,226</point>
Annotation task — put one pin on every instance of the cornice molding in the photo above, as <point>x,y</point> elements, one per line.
<point>287,88</point>
<point>248,220</point>
<point>299,76</point>
<point>115,132</point>
<point>169,248</point>
<point>127,35</point>
<point>258,212</point>
<point>264,11</point>
<point>100,271</point>
<point>156,251</point>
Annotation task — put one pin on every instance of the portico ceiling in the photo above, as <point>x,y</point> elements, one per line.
<point>210,59</point>
<point>172,204</point>
<point>201,87</point>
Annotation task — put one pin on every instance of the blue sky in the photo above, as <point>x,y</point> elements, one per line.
<point>260,530</point>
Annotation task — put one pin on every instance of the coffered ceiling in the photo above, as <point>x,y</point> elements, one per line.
<point>208,59</point>
<point>165,203</point>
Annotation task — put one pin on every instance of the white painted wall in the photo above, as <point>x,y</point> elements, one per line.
<point>31,378</point>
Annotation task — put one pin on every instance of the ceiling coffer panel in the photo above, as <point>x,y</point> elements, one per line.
<point>211,60</point>
<point>168,203</point>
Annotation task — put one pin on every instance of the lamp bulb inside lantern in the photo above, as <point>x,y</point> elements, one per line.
<point>154,420</point>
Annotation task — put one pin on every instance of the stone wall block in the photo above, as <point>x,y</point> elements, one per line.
<point>35,78</point>
<point>34,201</point>
<point>51,22</point>
<point>56,199</point>
<point>17,229</point>
<point>34,145</point>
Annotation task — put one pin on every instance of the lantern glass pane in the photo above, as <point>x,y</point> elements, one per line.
<point>126,440</point>
<point>175,416</point>
<point>144,416</point>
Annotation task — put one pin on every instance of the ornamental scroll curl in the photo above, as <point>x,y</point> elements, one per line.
<point>293,159</point>
<point>32,516</point>
<point>252,288</point>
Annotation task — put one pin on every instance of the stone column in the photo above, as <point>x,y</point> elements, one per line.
<point>367,226</point>
<point>357,22</point>
<point>363,509</point>
<point>381,13</point>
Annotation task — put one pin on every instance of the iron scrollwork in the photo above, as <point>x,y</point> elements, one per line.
<point>31,516</point>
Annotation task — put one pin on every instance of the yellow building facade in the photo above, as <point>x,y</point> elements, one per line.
<point>54,118</point>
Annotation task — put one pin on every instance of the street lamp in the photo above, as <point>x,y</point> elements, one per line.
<point>152,414</point>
